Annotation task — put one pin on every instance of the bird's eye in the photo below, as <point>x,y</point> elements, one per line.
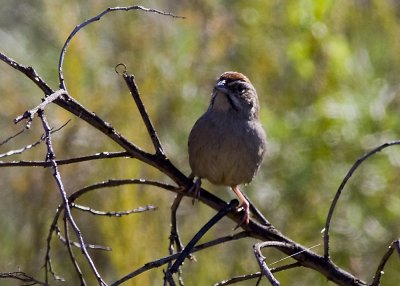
<point>241,88</point>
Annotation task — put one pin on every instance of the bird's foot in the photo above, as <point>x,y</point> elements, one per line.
<point>245,206</point>
<point>195,189</point>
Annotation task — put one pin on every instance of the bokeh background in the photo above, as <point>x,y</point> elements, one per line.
<point>327,75</point>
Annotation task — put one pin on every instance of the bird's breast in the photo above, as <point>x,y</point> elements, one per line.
<point>226,151</point>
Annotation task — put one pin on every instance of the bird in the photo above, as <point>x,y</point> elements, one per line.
<point>227,143</point>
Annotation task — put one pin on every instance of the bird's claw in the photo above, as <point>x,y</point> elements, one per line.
<point>246,216</point>
<point>196,189</point>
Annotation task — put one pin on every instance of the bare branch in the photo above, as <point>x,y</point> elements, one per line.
<point>31,113</point>
<point>94,19</point>
<point>258,275</point>
<point>341,187</point>
<point>67,213</point>
<point>130,81</point>
<point>117,183</point>
<point>29,72</point>
<point>69,244</point>
<point>263,231</point>
<point>395,245</point>
<point>73,197</point>
<point>12,137</point>
<point>23,149</point>
<point>48,264</point>
<point>239,278</point>
<point>30,146</point>
<point>167,259</point>
<point>261,259</point>
<point>256,213</point>
<point>71,105</point>
<point>91,246</point>
<point>97,156</point>
<point>23,277</point>
<point>114,214</point>
<point>179,260</point>
<point>174,237</point>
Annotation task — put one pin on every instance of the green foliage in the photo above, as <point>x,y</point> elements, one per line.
<point>327,74</point>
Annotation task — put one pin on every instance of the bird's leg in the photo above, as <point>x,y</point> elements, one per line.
<point>243,204</point>
<point>196,188</point>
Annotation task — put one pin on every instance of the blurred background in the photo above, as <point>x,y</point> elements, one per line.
<point>327,75</point>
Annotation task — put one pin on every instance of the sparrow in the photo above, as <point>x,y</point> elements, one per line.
<point>227,143</point>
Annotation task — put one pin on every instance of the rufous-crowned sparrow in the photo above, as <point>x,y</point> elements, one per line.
<point>227,143</point>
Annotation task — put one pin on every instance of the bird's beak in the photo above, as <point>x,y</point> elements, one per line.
<point>220,86</point>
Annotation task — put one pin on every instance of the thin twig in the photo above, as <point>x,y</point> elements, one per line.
<point>75,196</point>
<point>167,259</point>
<point>341,187</point>
<point>94,19</point>
<point>30,146</point>
<point>117,183</point>
<point>29,114</point>
<point>97,156</point>
<point>69,244</point>
<point>75,244</point>
<point>23,277</point>
<point>29,72</point>
<point>12,137</point>
<point>174,236</point>
<point>130,81</point>
<point>245,277</point>
<point>395,245</point>
<point>48,264</point>
<point>182,256</point>
<point>23,149</point>
<point>261,259</point>
<point>239,278</point>
<point>115,213</point>
<point>67,211</point>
